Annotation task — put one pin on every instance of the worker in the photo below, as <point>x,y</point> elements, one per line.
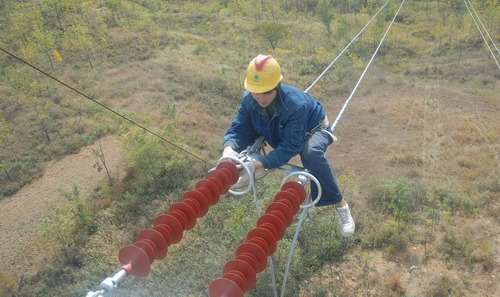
<point>292,123</point>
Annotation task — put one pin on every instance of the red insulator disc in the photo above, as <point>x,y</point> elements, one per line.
<point>237,277</point>
<point>257,251</point>
<point>158,239</point>
<point>223,287</point>
<point>248,271</point>
<point>288,204</point>
<point>173,223</point>
<point>228,173</point>
<point>187,210</point>
<point>207,193</point>
<point>202,200</point>
<point>285,209</point>
<point>166,232</point>
<point>217,181</point>
<point>280,215</point>
<point>223,178</point>
<point>294,193</point>
<point>212,186</point>
<point>250,259</point>
<point>262,243</point>
<point>194,204</point>
<point>298,187</point>
<point>152,245</point>
<point>150,252</point>
<point>137,258</point>
<point>271,228</point>
<point>292,198</point>
<point>235,173</point>
<point>275,221</point>
<point>267,236</point>
<point>180,216</point>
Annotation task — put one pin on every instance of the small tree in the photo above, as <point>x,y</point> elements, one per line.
<point>78,38</point>
<point>272,32</point>
<point>100,153</point>
<point>327,15</point>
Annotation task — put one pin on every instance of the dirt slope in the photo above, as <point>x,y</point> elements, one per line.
<point>22,212</point>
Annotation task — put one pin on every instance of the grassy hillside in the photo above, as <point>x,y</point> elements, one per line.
<point>417,156</point>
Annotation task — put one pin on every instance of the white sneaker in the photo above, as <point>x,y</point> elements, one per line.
<point>244,179</point>
<point>346,222</point>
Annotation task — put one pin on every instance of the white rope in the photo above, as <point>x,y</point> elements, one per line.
<point>366,68</point>
<point>467,3</point>
<point>340,54</point>
<point>482,25</point>
<point>304,212</point>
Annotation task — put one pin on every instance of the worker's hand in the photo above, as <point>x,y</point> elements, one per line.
<point>229,152</point>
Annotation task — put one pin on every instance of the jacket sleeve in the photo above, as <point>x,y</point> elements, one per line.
<point>241,134</point>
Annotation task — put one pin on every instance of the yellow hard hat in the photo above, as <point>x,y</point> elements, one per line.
<point>263,74</point>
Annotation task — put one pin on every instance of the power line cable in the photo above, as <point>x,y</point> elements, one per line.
<point>104,106</point>
<point>366,69</point>
<point>467,4</point>
<point>477,239</point>
<point>347,46</point>
<point>47,127</point>
<point>484,28</point>
<point>338,118</point>
<point>24,139</point>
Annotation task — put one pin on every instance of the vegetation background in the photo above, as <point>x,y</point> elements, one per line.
<point>417,156</point>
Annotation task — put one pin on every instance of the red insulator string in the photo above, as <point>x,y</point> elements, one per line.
<point>240,274</point>
<point>152,244</point>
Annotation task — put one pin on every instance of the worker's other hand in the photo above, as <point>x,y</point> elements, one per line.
<point>229,152</point>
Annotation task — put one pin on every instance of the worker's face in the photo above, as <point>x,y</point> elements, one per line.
<point>264,99</point>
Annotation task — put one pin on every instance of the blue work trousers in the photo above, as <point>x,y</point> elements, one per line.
<point>314,159</point>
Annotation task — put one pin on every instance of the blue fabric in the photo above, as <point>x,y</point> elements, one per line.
<point>314,159</point>
<point>296,113</point>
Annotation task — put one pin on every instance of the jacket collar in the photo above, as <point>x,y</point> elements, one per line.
<point>281,106</point>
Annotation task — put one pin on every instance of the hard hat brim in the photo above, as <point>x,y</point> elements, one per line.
<point>260,89</point>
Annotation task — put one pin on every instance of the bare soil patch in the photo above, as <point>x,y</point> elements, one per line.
<point>21,214</point>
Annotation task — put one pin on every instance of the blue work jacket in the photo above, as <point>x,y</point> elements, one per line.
<point>296,113</point>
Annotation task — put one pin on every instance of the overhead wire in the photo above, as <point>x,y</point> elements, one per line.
<point>308,89</point>
<point>49,126</point>
<point>365,70</point>
<point>469,5</point>
<point>105,107</point>
<point>475,17</point>
<point>338,117</point>
<point>346,47</point>
<point>359,81</point>
<point>482,25</point>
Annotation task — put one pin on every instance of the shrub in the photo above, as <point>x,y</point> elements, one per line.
<point>453,200</point>
<point>454,248</point>
<point>8,284</point>
<point>385,235</point>
<point>491,184</point>
<point>400,198</point>
<point>443,287</point>
<point>272,32</point>
<point>408,158</point>
<point>200,49</point>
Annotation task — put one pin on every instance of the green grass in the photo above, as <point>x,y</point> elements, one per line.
<point>416,156</point>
